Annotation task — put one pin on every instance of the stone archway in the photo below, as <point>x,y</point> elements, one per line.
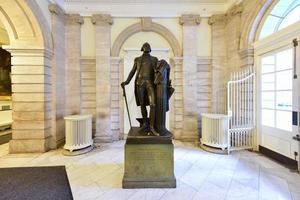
<point>31,48</point>
<point>146,24</point>
<point>255,17</point>
<point>117,65</point>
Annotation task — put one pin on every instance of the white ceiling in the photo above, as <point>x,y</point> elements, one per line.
<point>151,8</point>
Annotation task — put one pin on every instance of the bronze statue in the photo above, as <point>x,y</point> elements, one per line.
<point>164,91</point>
<point>152,87</point>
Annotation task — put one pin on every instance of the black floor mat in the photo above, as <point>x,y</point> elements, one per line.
<point>34,183</point>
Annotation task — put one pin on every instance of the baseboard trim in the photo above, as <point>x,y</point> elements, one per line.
<point>286,161</point>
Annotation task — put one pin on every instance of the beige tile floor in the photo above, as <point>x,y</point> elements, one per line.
<point>200,175</point>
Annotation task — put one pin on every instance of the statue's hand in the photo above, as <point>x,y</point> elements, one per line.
<point>123,84</point>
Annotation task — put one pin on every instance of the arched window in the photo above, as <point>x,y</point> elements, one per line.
<point>284,13</point>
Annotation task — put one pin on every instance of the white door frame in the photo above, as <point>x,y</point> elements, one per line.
<point>278,41</point>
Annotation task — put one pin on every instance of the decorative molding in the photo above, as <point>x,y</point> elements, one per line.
<point>47,53</point>
<point>73,19</point>
<point>102,19</point>
<point>146,23</point>
<point>217,19</point>
<point>205,60</point>
<point>56,9</point>
<point>167,8</point>
<point>88,60</point>
<point>235,10</point>
<point>245,53</point>
<point>224,18</point>
<point>151,26</point>
<point>190,20</point>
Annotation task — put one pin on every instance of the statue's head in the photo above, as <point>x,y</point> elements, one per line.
<point>146,48</point>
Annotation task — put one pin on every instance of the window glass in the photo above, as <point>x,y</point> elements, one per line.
<point>267,82</point>
<point>284,13</point>
<point>268,60</point>
<point>284,60</point>
<point>269,26</point>
<point>284,120</point>
<point>276,90</point>
<point>284,80</point>
<point>268,100</point>
<point>284,100</point>
<point>291,18</point>
<point>281,7</point>
<point>268,117</point>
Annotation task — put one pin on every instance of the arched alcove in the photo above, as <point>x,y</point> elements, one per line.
<point>169,42</point>
<point>31,49</point>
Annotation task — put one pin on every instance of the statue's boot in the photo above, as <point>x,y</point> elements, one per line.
<point>143,128</point>
<point>152,121</point>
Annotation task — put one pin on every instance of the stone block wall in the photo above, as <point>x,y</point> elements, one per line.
<point>231,50</point>
<point>88,88</point>
<point>204,88</point>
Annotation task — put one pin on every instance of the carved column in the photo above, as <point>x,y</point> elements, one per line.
<point>73,54</point>
<point>178,97</point>
<point>219,62</point>
<point>58,75</point>
<point>104,88</point>
<point>190,37</point>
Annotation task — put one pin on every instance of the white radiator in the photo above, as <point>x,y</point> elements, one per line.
<point>214,130</point>
<point>78,132</point>
<point>234,131</point>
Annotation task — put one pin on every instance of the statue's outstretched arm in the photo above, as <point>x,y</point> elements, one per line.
<point>131,74</point>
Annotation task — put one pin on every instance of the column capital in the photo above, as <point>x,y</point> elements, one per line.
<point>217,19</point>
<point>190,20</point>
<point>73,19</point>
<point>102,19</point>
<point>55,9</point>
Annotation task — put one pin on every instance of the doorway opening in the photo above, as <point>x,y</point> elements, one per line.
<point>5,89</point>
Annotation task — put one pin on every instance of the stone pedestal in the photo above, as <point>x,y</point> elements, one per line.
<point>149,161</point>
